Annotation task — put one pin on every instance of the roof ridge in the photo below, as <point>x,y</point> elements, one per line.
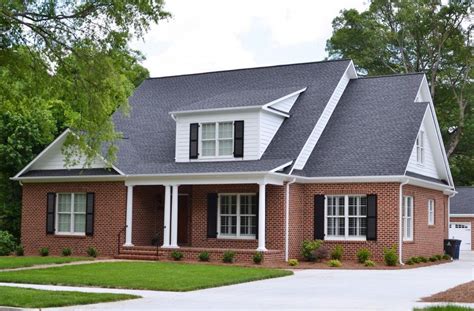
<point>392,75</point>
<point>250,68</point>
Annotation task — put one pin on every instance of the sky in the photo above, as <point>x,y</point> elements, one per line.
<point>210,35</point>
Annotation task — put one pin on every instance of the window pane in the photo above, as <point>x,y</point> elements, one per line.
<point>79,223</point>
<point>331,226</point>
<point>341,226</point>
<point>208,148</point>
<point>225,130</point>
<point>208,131</point>
<point>64,222</point>
<point>225,147</point>
<point>80,203</point>
<point>64,202</point>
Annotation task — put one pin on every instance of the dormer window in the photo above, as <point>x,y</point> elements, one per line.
<point>420,147</point>
<point>217,139</point>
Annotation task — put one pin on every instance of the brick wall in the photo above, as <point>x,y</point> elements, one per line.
<point>466,219</point>
<point>110,203</point>
<point>147,222</point>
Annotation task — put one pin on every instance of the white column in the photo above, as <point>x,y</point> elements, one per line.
<point>261,218</point>
<point>166,224</point>
<point>174,217</point>
<point>128,230</point>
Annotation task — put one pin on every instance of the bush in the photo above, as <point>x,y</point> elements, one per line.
<point>7,243</point>
<point>228,257</point>
<point>92,252</point>
<point>446,257</point>
<point>363,255</point>
<point>433,258</point>
<point>66,252</point>
<point>334,263</point>
<point>416,259</point>
<point>203,256</point>
<point>439,257</point>
<point>177,255</point>
<point>308,247</point>
<point>422,259</point>
<point>321,253</point>
<point>390,256</point>
<point>410,262</point>
<point>337,253</point>
<point>293,262</point>
<point>258,258</point>
<point>369,263</point>
<point>19,251</point>
<point>44,251</point>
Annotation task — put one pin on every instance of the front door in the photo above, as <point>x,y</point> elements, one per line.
<point>183,216</point>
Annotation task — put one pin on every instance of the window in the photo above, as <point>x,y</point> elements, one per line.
<point>346,217</point>
<point>217,139</point>
<point>420,148</point>
<point>237,215</point>
<point>71,213</point>
<point>408,218</point>
<point>431,212</point>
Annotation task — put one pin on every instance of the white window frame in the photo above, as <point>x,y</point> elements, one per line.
<point>72,213</point>
<point>408,236</point>
<point>216,140</point>
<point>431,212</point>
<point>420,148</point>
<point>346,236</point>
<point>238,214</point>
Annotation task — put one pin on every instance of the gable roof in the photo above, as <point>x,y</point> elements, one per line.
<point>372,130</point>
<point>463,201</point>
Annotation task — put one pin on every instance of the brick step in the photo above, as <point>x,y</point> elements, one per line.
<point>136,257</point>
<point>139,248</point>
<point>140,252</point>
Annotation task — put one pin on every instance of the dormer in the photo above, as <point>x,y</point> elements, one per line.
<point>232,126</point>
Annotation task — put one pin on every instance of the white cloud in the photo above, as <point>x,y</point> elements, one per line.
<point>211,35</point>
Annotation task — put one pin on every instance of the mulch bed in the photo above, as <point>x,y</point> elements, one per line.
<point>463,293</point>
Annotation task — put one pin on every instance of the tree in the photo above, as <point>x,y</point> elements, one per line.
<point>402,36</point>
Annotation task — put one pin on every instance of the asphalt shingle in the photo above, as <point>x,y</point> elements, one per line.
<point>463,201</point>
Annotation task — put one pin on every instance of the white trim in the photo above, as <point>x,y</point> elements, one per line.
<point>216,141</point>
<point>431,212</point>
<point>281,167</point>
<point>72,214</point>
<point>461,215</point>
<point>346,236</point>
<point>406,237</point>
<point>237,235</point>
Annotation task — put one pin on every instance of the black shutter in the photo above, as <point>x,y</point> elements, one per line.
<point>212,215</point>
<point>371,217</point>
<point>238,139</point>
<point>50,212</point>
<point>193,140</point>
<point>90,202</point>
<point>319,217</point>
<point>256,218</point>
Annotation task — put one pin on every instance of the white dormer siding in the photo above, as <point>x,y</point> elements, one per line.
<point>269,125</point>
<point>285,103</point>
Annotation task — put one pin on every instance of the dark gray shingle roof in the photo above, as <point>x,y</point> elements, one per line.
<point>372,130</point>
<point>463,201</point>
<point>149,131</point>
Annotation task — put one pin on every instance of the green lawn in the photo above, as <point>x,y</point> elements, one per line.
<point>35,298</point>
<point>445,308</point>
<point>166,276</point>
<point>10,262</point>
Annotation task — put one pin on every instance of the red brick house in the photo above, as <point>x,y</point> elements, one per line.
<point>253,159</point>
<point>462,217</point>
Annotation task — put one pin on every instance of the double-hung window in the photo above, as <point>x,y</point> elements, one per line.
<point>408,218</point>
<point>237,215</point>
<point>71,213</point>
<point>431,212</point>
<point>346,217</point>
<point>217,139</point>
<point>420,148</point>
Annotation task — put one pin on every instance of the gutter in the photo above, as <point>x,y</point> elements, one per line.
<point>287,215</point>
<point>400,236</point>
<point>449,210</point>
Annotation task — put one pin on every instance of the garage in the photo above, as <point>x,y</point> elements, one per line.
<point>461,231</point>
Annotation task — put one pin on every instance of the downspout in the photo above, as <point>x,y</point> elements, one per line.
<point>449,210</point>
<point>287,215</point>
<point>400,227</point>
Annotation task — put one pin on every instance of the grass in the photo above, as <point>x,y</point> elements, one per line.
<point>444,308</point>
<point>165,276</point>
<point>10,262</point>
<point>35,298</point>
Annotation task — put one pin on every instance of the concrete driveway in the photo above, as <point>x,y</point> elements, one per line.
<point>307,289</point>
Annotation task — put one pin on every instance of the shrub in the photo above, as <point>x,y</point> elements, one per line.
<point>44,251</point>
<point>228,257</point>
<point>66,251</point>
<point>337,253</point>
<point>416,259</point>
<point>334,263</point>
<point>258,258</point>
<point>363,255</point>
<point>7,243</point>
<point>433,258</point>
<point>308,247</point>
<point>422,259</point>
<point>92,252</point>
<point>390,256</point>
<point>177,255</point>
<point>321,253</point>
<point>446,257</point>
<point>19,251</point>
<point>203,256</point>
<point>293,262</point>
<point>369,263</point>
<point>410,262</point>
<point>439,257</point>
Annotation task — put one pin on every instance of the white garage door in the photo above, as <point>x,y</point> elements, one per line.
<point>461,231</point>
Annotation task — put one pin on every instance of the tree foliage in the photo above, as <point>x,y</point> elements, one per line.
<point>402,36</point>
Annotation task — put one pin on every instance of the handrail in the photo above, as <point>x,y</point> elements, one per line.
<point>118,238</point>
